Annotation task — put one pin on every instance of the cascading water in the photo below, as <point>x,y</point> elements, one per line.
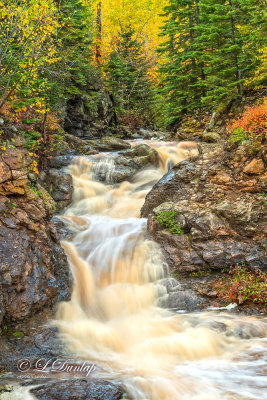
<point>113,318</point>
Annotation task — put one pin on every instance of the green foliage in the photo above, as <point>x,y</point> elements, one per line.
<point>238,136</point>
<point>168,220</point>
<point>74,72</point>
<point>128,80</point>
<point>200,273</point>
<point>36,191</point>
<point>32,138</point>
<point>9,332</point>
<point>212,49</point>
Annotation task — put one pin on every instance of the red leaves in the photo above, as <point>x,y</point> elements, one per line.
<point>253,123</point>
<point>242,284</point>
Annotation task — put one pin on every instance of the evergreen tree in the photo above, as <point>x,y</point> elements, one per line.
<point>127,77</point>
<point>213,48</point>
<point>74,71</point>
<point>183,72</point>
<point>226,64</point>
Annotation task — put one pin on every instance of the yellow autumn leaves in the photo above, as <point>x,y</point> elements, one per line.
<point>27,42</point>
<point>143,16</point>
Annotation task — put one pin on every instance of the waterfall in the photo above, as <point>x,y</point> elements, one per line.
<point>113,317</point>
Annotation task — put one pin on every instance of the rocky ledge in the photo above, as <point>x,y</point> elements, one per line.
<point>209,213</point>
<point>33,268</point>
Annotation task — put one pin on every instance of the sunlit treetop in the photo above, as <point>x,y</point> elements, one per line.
<point>143,16</point>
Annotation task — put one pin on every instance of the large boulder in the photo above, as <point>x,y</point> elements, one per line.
<point>79,146</point>
<point>220,213</point>
<point>60,186</point>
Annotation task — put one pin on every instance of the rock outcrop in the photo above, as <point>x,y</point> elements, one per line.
<point>219,208</point>
<point>89,114</point>
<point>34,271</point>
<point>110,143</point>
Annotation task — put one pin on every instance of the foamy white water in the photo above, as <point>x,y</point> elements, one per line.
<point>113,318</point>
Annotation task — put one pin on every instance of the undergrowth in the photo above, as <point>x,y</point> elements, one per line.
<point>242,285</point>
<point>251,126</point>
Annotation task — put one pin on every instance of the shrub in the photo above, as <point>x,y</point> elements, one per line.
<point>167,220</point>
<point>243,285</point>
<point>251,126</point>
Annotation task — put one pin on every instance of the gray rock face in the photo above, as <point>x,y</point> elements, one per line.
<point>79,389</point>
<point>109,143</point>
<point>60,186</point>
<point>61,161</point>
<point>178,297</point>
<point>219,210</point>
<point>89,114</point>
<point>34,270</point>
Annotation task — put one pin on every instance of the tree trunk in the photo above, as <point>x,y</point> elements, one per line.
<point>99,33</point>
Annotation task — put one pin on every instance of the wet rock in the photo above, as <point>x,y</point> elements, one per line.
<point>178,297</point>
<point>219,255</point>
<point>2,309</point>
<point>242,211</point>
<point>34,271</point>
<point>36,268</point>
<point>33,340</point>
<point>218,209</point>
<point>110,143</point>
<point>60,185</point>
<point>48,202</point>
<point>79,146</point>
<point>255,167</point>
<point>141,155</point>
<point>125,164</point>
<point>149,134</point>
<point>59,230</point>
<point>182,300</point>
<point>79,389</point>
<point>171,183</point>
<point>61,161</point>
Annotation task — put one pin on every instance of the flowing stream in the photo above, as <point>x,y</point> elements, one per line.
<point>113,318</point>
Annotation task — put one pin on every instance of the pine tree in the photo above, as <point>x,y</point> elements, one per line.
<point>225,62</point>
<point>183,72</point>
<point>213,48</point>
<point>127,77</point>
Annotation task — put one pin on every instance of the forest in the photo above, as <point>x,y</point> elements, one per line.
<point>159,62</point>
<point>133,194</point>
